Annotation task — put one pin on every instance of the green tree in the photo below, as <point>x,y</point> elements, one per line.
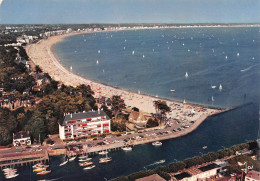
<point>5,136</point>
<point>152,123</point>
<point>117,105</point>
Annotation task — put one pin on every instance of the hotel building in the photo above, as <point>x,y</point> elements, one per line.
<point>84,124</point>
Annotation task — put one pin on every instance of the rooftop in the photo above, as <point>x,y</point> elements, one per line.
<point>253,175</point>
<point>21,134</point>
<point>83,115</point>
<point>182,175</point>
<point>154,177</point>
<point>208,167</point>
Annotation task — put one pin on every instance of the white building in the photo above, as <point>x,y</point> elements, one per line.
<point>253,176</point>
<point>201,173</point>
<point>84,124</point>
<point>21,138</point>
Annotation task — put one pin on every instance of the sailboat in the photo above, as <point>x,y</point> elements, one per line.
<point>98,51</point>
<point>105,160</point>
<point>186,75</point>
<point>220,87</point>
<point>97,62</point>
<point>212,98</point>
<point>184,102</point>
<point>226,57</point>
<point>63,163</point>
<point>143,56</point>
<point>71,68</point>
<point>133,52</point>
<point>238,54</point>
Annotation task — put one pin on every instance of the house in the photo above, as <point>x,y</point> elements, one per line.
<point>198,173</point>
<point>243,152</point>
<point>154,177</point>
<point>253,176</point>
<point>139,119</point>
<point>84,124</point>
<point>21,138</point>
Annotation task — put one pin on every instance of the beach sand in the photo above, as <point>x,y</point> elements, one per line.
<point>41,54</point>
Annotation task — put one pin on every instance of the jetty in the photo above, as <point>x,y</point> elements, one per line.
<point>23,158</point>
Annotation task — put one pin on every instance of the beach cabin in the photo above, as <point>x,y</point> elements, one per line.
<point>84,124</point>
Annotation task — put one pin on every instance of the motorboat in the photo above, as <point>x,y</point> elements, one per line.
<point>63,163</point>
<point>204,147</point>
<point>44,172</point>
<point>85,159</point>
<point>72,158</point>
<point>85,163</point>
<point>103,152</point>
<point>105,160</point>
<point>127,148</point>
<point>39,169</point>
<point>157,143</point>
<point>89,167</point>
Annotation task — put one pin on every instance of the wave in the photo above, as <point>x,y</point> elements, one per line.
<point>156,163</point>
<point>246,69</point>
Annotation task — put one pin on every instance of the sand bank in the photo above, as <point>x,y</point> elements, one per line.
<point>41,54</point>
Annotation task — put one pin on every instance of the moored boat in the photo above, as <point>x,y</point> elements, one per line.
<point>12,175</point>
<point>63,163</point>
<point>103,152</point>
<point>157,143</point>
<point>105,160</point>
<point>127,148</point>
<point>85,163</point>
<point>44,172</point>
<point>85,159</point>
<point>39,169</point>
<point>89,167</point>
<point>72,158</point>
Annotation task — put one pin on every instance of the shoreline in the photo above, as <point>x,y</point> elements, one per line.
<point>42,54</point>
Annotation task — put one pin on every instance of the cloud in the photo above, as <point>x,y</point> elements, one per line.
<point>1,2</point>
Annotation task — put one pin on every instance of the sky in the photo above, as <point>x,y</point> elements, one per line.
<point>128,11</point>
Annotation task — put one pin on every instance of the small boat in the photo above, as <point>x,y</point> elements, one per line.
<point>97,62</point>
<point>11,176</point>
<point>85,159</point>
<point>143,56</point>
<point>212,98</point>
<point>127,148</point>
<point>204,147</point>
<point>9,169</point>
<point>184,102</point>
<point>82,156</point>
<point>186,75</point>
<point>63,163</point>
<point>157,143</point>
<point>105,160</point>
<point>220,87</point>
<point>133,52</point>
<point>70,67</point>
<point>89,167</point>
<point>172,90</point>
<point>161,161</point>
<point>238,54</point>
<point>226,57</point>
<point>103,152</point>
<point>38,165</point>
<point>98,51</point>
<point>85,163</point>
<point>72,158</point>
<point>39,169</point>
<point>44,172</point>
<point>213,86</point>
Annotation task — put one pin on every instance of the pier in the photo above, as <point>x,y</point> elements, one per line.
<point>23,158</point>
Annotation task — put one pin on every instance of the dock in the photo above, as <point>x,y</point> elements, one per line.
<point>23,158</point>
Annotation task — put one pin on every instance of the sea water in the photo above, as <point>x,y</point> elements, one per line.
<point>168,55</point>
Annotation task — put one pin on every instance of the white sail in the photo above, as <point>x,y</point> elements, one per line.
<point>186,75</point>
<point>220,87</point>
<point>97,62</point>
<point>212,98</point>
<point>238,54</point>
<point>98,51</point>
<point>133,52</point>
<point>226,57</point>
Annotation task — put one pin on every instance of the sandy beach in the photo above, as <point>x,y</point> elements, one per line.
<point>41,54</point>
